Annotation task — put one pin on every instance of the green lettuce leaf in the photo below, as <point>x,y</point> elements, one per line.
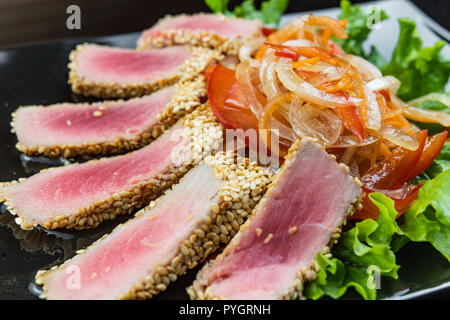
<point>360,252</point>
<point>357,27</point>
<point>420,70</point>
<point>218,6</point>
<point>334,278</point>
<point>270,13</point>
<point>429,217</point>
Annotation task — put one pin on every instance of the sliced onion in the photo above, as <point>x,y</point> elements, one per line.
<point>353,141</point>
<point>270,84</point>
<point>354,169</point>
<point>440,97</point>
<point>347,155</point>
<point>255,99</point>
<point>398,137</point>
<point>314,122</point>
<point>329,72</point>
<point>249,48</point>
<point>373,110</point>
<point>427,116</point>
<point>293,28</point>
<point>298,43</point>
<point>276,116</point>
<point>367,70</point>
<point>306,91</point>
<point>385,83</point>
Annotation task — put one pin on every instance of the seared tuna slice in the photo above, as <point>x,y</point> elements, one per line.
<point>108,72</point>
<point>179,230</point>
<point>207,30</point>
<point>83,195</point>
<point>107,127</point>
<point>275,250</point>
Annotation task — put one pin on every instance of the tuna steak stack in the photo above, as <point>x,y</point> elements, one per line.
<point>300,215</point>
<point>225,34</point>
<point>142,256</point>
<point>83,195</point>
<point>107,127</point>
<point>108,72</point>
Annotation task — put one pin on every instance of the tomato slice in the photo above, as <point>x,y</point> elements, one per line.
<point>430,152</point>
<point>401,204</point>
<point>220,83</point>
<point>267,31</point>
<point>351,120</point>
<point>394,171</point>
<point>407,194</point>
<point>208,70</point>
<point>235,97</point>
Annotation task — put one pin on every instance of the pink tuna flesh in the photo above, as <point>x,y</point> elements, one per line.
<point>78,124</point>
<point>64,190</point>
<point>112,266</point>
<point>313,195</point>
<point>101,64</point>
<point>229,27</point>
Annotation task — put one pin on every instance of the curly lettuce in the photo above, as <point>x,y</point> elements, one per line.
<point>371,245</point>
<point>428,220</point>
<point>357,27</point>
<point>361,251</point>
<point>270,12</point>
<point>420,70</point>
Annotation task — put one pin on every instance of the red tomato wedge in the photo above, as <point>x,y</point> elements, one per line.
<point>430,152</point>
<point>220,83</point>
<point>235,97</point>
<point>408,193</point>
<point>267,31</point>
<point>395,170</point>
<point>402,204</point>
<point>208,70</point>
<point>351,120</point>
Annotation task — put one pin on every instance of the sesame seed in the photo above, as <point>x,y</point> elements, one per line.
<point>293,230</point>
<point>258,232</point>
<point>269,237</point>
<point>97,113</point>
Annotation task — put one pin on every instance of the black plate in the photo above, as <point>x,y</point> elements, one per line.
<point>38,75</point>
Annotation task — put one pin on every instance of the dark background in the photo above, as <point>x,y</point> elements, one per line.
<point>24,21</point>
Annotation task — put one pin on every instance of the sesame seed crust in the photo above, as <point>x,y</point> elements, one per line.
<point>199,38</point>
<point>199,290</point>
<point>189,95</point>
<point>219,225</point>
<point>202,143</point>
<point>191,68</point>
